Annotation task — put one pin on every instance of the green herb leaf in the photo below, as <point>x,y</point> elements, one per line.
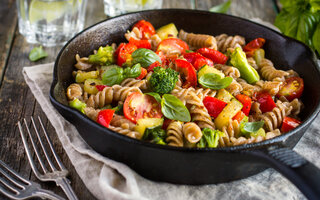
<point>155,135</point>
<point>113,76</point>
<point>221,8</point>
<point>132,72</point>
<point>214,81</point>
<point>173,108</point>
<point>316,39</point>
<point>155,95</point>
<point>252,127</point>
<point>118,109</point>
<point>145,57</point>
<point>37,53</point>
<point>315,5</point>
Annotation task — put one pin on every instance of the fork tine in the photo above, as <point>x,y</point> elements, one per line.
<point>14,173</point>
<point>25,144</point>
<point>5,192</point>
<point>4,182</point>
<point>42,146</point>
<point>51,146</point>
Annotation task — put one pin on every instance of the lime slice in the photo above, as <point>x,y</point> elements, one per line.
<point>48,10</point>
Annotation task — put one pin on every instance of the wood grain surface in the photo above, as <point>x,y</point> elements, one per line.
<point>17,101</point>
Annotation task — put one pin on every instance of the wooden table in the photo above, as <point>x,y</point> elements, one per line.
<point>17,102</point>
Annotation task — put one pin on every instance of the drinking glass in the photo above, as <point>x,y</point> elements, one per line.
<point>50,22</point>
<point>117,7</point>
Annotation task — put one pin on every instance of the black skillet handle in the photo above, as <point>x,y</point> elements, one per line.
<point>302,173</point>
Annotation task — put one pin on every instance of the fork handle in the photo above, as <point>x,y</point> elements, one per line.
<point>46,194</point>
<point>64,183</point>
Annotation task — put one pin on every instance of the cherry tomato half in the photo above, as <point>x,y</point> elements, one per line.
<point>172,46</point>
<point>289,123</point>
<point>197,60</point>
<point>214,55</point>
<point>145,28</point>
<point>253,45</point>
<point>187,72</point>
<point>138,106</point>
<point>143,73</point>
<point>140,43</point>
<point>292,88</point>
<point>124,52</point>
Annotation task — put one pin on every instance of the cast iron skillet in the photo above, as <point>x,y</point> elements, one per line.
<point>191,165</point>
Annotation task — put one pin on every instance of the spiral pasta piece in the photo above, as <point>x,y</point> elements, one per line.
<point>110,94</point>
<point>243,140</point>
<point>175,134</point>
<point>225,41</point>
<point>234,88</point>
<point>198,40</point>
<point>121,121</point>
<point>82,63</point>
<point>91,113</point>
<point>247,88</point>
<point>74,91</point>
<point>155,41</point>
<point>132,82</point>
<point>192,132</point>
<point>231,130</point>
<point>253,63</point>
<point>272,87</point>
<point>127,132</point>
<point>270,73</point>
<point>296,106</point>
<point>135,34</point>
<point>228,70</point>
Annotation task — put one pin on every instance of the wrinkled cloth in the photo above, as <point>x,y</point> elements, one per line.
<point>108,179</point>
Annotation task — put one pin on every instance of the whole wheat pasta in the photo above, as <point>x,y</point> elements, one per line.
<point>127,132</point>
<point>132,82</point>
<point>121,121</point>
<point>135,34</point>
<point>228,70</point>
<point>74,91</point>
<point>224,42</point>
<point>82,63</point>
<point>234,88</point>
<point>192,132</point>
<point>198,40</point>
<point>155,41</point>
<point>175,134</point>
<point>91,113</point>
<point>270,73</point>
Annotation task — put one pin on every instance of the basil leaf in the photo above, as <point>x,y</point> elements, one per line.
<point>252,127</point>
<point>37,53</point>
<point>173,108</point>
<point>316,39</point>
<point>214,81</point>
<point>112,76</point>
<point>132,72</point>
<point>145,57</point>
<point>221,8</point>
<point>315,5</point>
<point>155,95</point>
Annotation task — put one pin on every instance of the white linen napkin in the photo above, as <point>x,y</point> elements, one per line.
<point>108,179</point>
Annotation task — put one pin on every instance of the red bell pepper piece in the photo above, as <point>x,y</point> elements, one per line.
<point>153,65</point>
<point>214,55</point>
<point>289,123</point>
<point>197,60</point>
<point>266,101</point>
<point>246,102</point>
<point>214,106</point>
<point>166,123</point>
<point>188,72</point>
<point>101,87</point>
<point>105,116</point>
<point>253,45</point>
<point>140,43</point>
<point>143,73</point>
<point>239,116</point>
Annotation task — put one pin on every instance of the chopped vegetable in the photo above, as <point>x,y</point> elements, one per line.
<point>105,116</point>
<point>163,80</point>
<point>145,28</point>
<point>197,60</point>
<point>208,69</point>
<point>142,74</point>
<point>81,76</point>
<point>266,101</point>
<point>187,72</point>
<point>224,95</point>
<point>37,53</point>
<point>143,124</point>
<point>153,65</point>
<point>101,87</point>
<point>214,106</point>
<point>140,43</point>
<point>104,56</point>
<point>118,109</point>
<point>228,113</point>
<point>155,135</point>
<point>214,81</point>
<point>258,55</point>
<point>145,57</point>
<point>254,45</point>
<point>292,88</point>
<point>214,55</point>
<point>90,86</point>
<point>289,123</point>
<point>166,31</point>
<point>249,129</point>
<point>123,53</point>
<point>138,106</point>
<point>210,138</point>
<point>246,102</point>
<point>239,60</point>
<point>173,108</point>
<point>77,104</point>
<point>239,116</point>
<point>117,74</point>
<point>172,46</point>
<point>156,96</point>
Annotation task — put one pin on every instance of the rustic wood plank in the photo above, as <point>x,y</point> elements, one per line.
<point>8,24</point>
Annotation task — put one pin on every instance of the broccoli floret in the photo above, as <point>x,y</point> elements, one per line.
<point>155,135</point>
<point>104,56</point>
<point>209,138</point>
<point>162,80</point>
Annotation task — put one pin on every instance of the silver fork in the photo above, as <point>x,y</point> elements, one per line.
<point>57,175</point>
<point>17,187</point>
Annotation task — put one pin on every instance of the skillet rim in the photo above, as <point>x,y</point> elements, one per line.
<point>274,141</point>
